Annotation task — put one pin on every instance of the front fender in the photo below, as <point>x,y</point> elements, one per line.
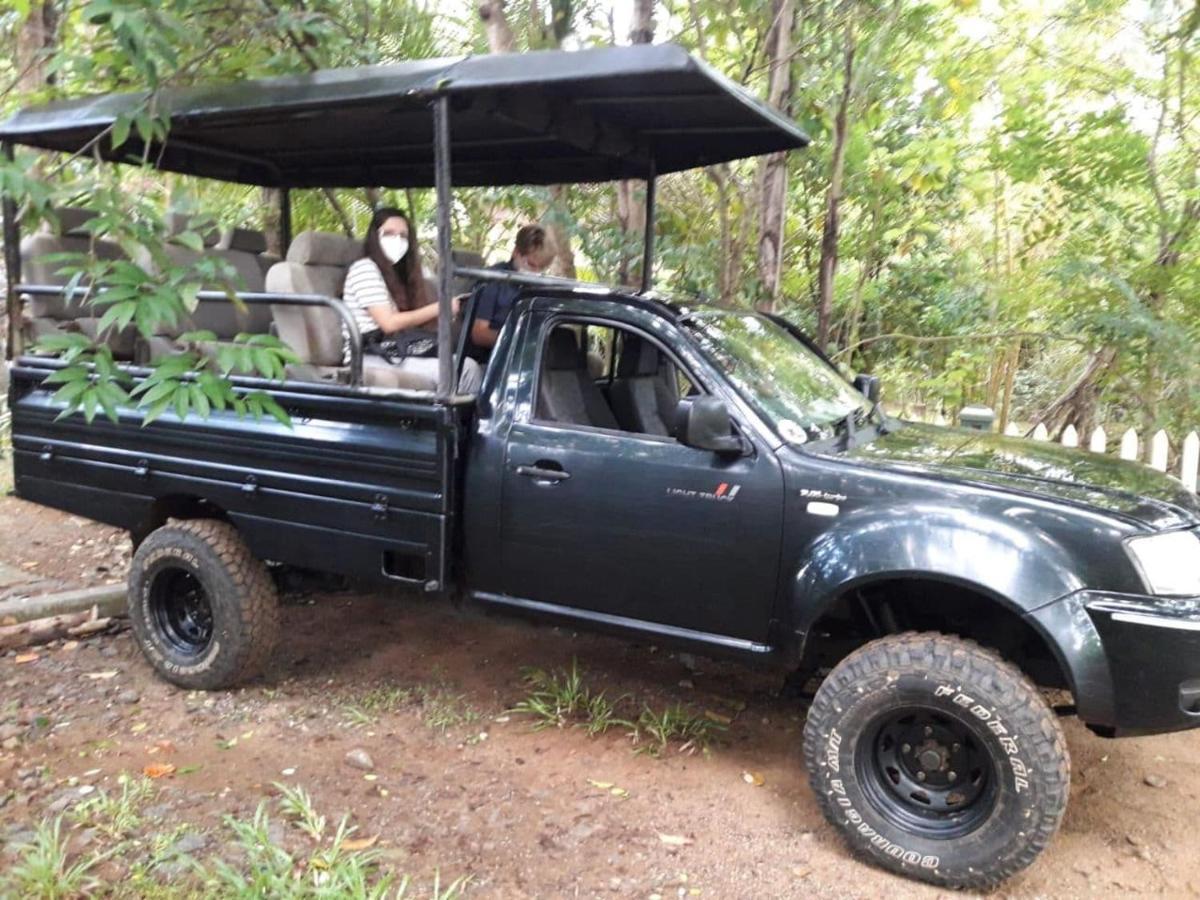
<point>1018,565</point>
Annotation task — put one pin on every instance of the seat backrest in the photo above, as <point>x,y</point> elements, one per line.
<point>68,236</point>
<point>644,392</point>
<point>470,259</point>
<point>223,319</point>
<point>566,392</point>
<point>316,264</point>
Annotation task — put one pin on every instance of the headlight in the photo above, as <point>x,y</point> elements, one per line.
<point>1169,563</point>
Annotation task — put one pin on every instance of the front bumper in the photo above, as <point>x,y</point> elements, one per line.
<point>1135,659</point>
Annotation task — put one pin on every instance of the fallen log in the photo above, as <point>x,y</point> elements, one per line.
<point>41,631</point>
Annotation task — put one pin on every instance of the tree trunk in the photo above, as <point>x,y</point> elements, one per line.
<point>35,43</point>
<point>495,25</point>
<point>556,226</point>
<point>720,177</point>
<point>272,202</point>
<point>772,173</point>
<point>630,213</point>
<point>829,238</point>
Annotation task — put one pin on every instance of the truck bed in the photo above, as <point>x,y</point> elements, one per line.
<point>359,485</point>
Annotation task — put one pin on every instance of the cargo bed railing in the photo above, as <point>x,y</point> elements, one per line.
<point>352,333</point>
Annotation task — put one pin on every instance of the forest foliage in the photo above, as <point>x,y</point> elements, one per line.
<point>999,206</point>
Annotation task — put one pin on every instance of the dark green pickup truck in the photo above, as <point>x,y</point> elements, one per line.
<point>659,468</point>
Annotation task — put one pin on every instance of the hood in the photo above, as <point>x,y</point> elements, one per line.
<point>1040,468</point>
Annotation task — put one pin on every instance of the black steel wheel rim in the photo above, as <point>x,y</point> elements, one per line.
<point>181,611</point>
<point>928,772</point>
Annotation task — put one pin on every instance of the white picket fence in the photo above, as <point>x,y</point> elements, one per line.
<point>1156,453</point>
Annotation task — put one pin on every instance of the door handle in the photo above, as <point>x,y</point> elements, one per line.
<point>541,473</point>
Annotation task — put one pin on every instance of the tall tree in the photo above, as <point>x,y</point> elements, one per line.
<point>772,174</point>
<point>631,209</point>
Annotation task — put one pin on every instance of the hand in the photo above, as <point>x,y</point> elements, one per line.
<point>456,303</point>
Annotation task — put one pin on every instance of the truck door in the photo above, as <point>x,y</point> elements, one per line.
<point>605,514</point>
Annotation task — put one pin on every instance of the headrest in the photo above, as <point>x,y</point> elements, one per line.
<point>562,351</point>
<point>320,248</point>
<point>470,258</point>
<point>639,357</point>
<point>71,220</point>
<point>178,222</point>
<point>245,239</point>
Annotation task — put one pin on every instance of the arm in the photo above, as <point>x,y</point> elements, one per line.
<point>483,334</point>
<point>390,320</point>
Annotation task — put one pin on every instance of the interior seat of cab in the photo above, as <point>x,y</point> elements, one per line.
<point>645,393</point>
<point>58,315</point>
<point>567,391</point>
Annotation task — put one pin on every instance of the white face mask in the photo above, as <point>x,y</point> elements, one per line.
<point>394,246</point>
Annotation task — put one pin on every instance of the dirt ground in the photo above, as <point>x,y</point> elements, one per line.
<point>460,787</point>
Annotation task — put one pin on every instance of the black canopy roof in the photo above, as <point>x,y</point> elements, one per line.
<point>531,118</point>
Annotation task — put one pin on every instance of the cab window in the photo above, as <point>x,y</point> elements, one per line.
<point>607,376</point>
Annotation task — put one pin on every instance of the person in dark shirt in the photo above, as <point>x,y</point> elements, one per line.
<point>533,251</point>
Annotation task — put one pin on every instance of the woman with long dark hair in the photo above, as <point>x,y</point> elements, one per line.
<point>395,311</point>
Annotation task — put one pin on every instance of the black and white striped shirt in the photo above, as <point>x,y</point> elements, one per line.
<point>365,288</point>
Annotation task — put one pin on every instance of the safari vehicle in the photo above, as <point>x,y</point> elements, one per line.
<point>711,481</point>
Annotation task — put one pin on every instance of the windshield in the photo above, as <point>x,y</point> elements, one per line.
<point>789,384</point>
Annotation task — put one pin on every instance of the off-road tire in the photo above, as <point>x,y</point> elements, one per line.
<point>242,598</point>
<point>950,679</point>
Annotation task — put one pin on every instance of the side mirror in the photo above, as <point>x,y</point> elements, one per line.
<point>868,386</point>
<point>703,423</point>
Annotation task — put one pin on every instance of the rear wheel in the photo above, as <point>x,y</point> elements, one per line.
<point>204,610</point>
<point>937,759</point>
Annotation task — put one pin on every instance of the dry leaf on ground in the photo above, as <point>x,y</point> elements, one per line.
<point>27,657</point>
<point>359,843</point>
<point>674,840</point>
<point>158,770</point>
<point>754,778</point>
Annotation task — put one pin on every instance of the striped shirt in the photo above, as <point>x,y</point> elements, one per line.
<point>365,288</point>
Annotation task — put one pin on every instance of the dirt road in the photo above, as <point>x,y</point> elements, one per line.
<point>458,785</point>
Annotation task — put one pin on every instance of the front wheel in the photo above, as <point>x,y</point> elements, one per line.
<point>937,760</point>
<point>203,609</point>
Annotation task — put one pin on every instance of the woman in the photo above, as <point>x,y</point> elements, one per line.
<point>387,295</point>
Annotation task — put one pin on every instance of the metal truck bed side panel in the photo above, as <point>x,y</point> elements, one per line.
<point>357,485</point>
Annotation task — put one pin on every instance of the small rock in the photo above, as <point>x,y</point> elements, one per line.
<point>11,743</point>
<point>1155,781</point>
<point>191,842</point>
<point>108,650</point>
<point>10,731</point>
<point>128,697</point>
<point>359,759</point>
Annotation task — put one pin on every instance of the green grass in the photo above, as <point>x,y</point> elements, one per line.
<point>43,869</point>
<point>251,867</point>
<point>563,699</point>
<point>559,699</point>
<point>116,816</point>
<point>365,709</point>
<point>443,709</point>
<point>653,732</point>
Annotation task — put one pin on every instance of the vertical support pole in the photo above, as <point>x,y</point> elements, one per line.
<point>12,267</point>
<point>441,175</point>
<point>651,226</point>
<point>285,219</point>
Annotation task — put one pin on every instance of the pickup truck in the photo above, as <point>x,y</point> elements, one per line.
<point>694,475</point>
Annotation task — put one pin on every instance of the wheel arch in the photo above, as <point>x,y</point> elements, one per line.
<point>889,602</point>
<point>174,506</point>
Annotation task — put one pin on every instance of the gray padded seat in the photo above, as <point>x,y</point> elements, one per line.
<point>58,315</point>
<point>316,264</point>
<point>566,391</point>
<point>223,319</point>
<point>645,393</point>
<point>248,240</point>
